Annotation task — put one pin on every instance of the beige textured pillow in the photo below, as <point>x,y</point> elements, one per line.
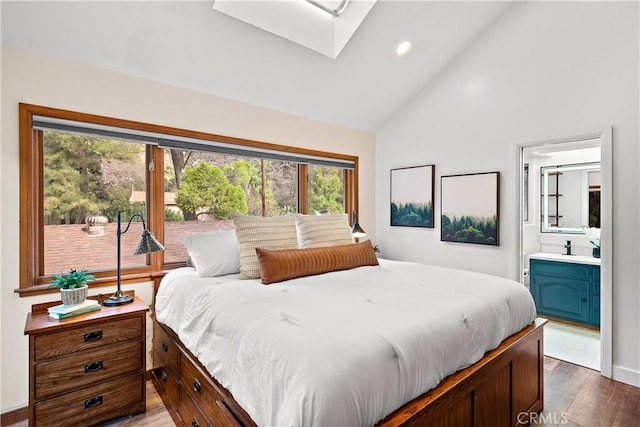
<point>285,264</point>
<point>317,231</point>
<point>262,232</point>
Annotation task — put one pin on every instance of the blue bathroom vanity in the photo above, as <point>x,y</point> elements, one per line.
<point>566,287</point>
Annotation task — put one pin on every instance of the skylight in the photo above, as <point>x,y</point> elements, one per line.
<point>324,26</point>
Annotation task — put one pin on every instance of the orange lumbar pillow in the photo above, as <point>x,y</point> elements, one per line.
<point>277,265</point>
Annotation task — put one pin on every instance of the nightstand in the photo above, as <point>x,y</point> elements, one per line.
<point>88,368</point>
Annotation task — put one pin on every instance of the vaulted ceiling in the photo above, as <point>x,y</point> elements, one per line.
<point>191,45</point>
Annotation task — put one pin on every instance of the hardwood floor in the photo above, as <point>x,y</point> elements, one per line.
<point>574,396</point>
<point>577,396</point>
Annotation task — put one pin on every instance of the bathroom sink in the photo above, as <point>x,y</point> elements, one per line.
<point>578,259</point>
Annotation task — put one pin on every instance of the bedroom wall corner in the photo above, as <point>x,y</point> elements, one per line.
<point>544,68</point>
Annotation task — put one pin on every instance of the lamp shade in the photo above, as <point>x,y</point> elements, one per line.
<point>148,244</point>
<point>356,230</point>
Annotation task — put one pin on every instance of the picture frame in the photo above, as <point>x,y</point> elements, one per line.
<point>470,208</point>
<point>412,196</point>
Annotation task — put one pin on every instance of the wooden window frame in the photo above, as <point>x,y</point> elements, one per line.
<point>33,281</point>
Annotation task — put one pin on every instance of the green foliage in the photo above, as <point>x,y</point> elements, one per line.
<point>247,174</point>
<point>326,190</point>
<point>74,279</point>
<point>172,215</point>
<point>205,189</point>
<point>412,214</point>
<point>287,210</point>
<point>86,175</point>
<point>469,229</point>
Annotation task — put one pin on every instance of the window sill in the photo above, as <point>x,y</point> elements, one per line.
<point>102,282</point>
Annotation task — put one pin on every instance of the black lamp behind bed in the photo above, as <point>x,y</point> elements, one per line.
<point>356,230</point>
<point>147,244</point>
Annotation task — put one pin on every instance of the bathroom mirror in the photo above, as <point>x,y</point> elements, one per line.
<point>570,198</point>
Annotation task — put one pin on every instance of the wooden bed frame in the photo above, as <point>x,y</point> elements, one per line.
<point>502,389</point>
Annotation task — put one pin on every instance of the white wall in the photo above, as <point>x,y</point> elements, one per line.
<point>544,69</point>
<point>44,80</point>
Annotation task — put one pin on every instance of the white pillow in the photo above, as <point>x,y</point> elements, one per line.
<point>317,231</point>
<point>215,253</point>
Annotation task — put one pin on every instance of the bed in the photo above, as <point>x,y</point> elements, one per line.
<point>399,343</point>
<point>323,333</point>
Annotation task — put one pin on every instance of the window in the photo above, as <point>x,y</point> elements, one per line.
<point>203,190</point>
<point>326,189</point>
<point>78,170</point>
<point>86,181</point>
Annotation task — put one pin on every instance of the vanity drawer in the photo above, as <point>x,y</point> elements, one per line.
<point>166,348</point>
<point>560,269</point>
<point>85,338</point>
<point>85,368</point>
<point>94,404</point>
<point>595,288</point>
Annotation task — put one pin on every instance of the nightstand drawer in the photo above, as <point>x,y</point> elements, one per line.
<point>86,337</point>
<point>166,348</point>
<point>69,373</point>
<point>94,404</point>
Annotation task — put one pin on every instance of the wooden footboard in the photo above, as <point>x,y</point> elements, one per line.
<point>499,390</point>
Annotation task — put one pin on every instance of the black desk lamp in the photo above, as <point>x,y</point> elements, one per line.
<point>147,244</point>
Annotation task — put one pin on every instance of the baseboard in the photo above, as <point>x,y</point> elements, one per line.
<point>625,375</point>
<point>13,417</point>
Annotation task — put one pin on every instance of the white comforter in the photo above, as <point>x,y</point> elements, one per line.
<point>344,348</point>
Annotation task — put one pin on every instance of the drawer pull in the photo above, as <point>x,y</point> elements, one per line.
<point>197,386</point>
<point>92,336</point>
<point>93,367</point>
<point>194,423</point>
<point>93,402</point>
<point>165,346</point>
<point>163,376</point>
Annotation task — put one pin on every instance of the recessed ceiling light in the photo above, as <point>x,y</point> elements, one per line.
<point>403,47</point>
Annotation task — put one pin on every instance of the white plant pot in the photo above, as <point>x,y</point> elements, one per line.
<point>74,296</point>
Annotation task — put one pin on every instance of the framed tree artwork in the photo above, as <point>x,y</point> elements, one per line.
<point>469,208</point>
<point>412,196</point>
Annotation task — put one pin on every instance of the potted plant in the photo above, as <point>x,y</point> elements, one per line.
<point>73,286</point>
<point>593,234</point>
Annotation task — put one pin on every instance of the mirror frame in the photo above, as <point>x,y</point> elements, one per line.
<point>544,191</point>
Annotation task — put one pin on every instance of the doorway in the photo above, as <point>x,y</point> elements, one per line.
<point>576,148</point>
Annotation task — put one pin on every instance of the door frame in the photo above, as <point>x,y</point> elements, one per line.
<point>605,134</point>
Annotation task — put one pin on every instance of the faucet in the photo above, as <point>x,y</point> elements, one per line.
<point>568,247</point>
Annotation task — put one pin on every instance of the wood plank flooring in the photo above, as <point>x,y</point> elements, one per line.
<point>577,396</point>
<point>574,397</point>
